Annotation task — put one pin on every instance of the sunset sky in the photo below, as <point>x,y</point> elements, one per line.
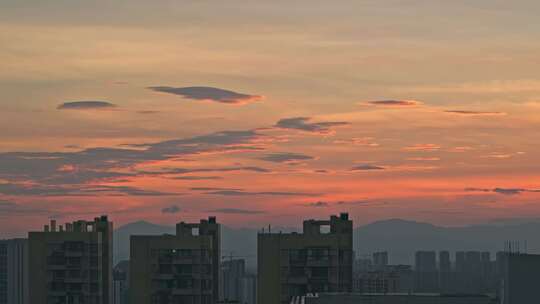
<point>265,112</point>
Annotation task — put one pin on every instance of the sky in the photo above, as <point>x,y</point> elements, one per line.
<point>268,112</point>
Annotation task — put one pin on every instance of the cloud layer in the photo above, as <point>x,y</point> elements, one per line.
<point>209,94</point>
<point>84,172</point>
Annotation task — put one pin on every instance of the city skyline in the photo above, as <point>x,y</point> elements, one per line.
<point>264,113</point>
<point>73,263</point>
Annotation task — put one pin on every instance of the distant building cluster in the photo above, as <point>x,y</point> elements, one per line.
<point>72,264</point>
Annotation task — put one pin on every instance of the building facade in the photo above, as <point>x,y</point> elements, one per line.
<point>71,264</point>
<point>249,289</point>
<point>14,271</point>
<point>391,279</point>
<point>181,268</point>
<point>294,264</point>
<point>426,274</point>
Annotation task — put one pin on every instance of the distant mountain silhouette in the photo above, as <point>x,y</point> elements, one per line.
<point>401,238</point>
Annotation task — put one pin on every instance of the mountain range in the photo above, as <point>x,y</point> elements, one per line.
<point>401,238</point>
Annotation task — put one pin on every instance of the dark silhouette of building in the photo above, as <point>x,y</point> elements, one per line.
<point>460,276</point>
<point>14,271</point>
<point>181,268</point>
<point>295,264</point>
<point>71,264</point>
<point>445,272</point>
<point>519,283</point>
<point>489,282</point>
<point>425,272</point>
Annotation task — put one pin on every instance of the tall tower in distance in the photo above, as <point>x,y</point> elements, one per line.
<point>294,264</point>
<point>71,263</point>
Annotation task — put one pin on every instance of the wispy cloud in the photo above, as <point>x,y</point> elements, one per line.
<point>367,167</point>
<point>236,211</point>
<point>171,209</point>
<point>492,87</point>
<point>304,124</point>
<point>195,177</point>
<point>474,113</point>
<point>22,189</point>
<point>504,191</point>
<point>319,204</point>
<point>86,105</point>
<point>423,158</point>
<point>148,112</point>
<point>268,193</point>
<point>180,171</point>
<point>286,157</point>
<point>209,94</point>
<point>355,141</point>
<point>8,208</point>
<point>502,155</point>
<point>423,148</point>
<point>392,103</point>
<point>214,189</point>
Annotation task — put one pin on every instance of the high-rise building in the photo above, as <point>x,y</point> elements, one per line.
<point>232,272</point>
<point>520,278</point>
<point>71,264</point>
<point>473,278</point>
<point>445,272</point>
<point>460,283</point>
<point>293,264</point>
<point>489,281</point>
<point>3,272</point>
<point>425,272</point>
<point>14,271</point>
<point>181,268</point>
